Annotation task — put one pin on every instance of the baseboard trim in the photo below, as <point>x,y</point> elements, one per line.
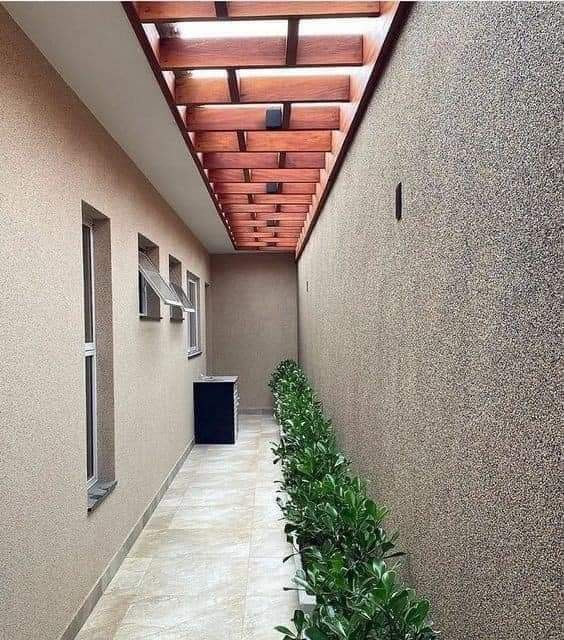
<point>255,411</point>
<point>109,572</point>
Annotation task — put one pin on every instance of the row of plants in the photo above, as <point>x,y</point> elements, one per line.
<point>350,562</point>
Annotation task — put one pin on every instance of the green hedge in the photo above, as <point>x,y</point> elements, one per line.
<point>349,559</point>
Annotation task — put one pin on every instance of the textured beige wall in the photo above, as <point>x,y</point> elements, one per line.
<point>53,155</point>
<point>433,341</point>
<point>254,319</point>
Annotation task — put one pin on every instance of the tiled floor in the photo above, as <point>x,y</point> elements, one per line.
<point>208,565</point>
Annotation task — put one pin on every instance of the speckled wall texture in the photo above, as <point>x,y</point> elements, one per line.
<point>433,341</point>
<point>53,155</point>
<point>254,320</point>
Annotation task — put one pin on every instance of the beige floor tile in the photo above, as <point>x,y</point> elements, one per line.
<point>220,575</point>
<point>105,618</point>
<point>208,617</point>
<point>267,517</point>
<point>223,516</point>
<point>244,480</point>
<point>129,577</point>
<point>241,497</point>
<point>263,613</point>
<point>171,543</point>
<point>269,576</point>
<point>162,517</point>
<point>269,542</point>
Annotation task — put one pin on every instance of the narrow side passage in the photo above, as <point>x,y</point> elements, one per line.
<point>208,564</point>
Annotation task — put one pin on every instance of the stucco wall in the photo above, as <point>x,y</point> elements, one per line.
<point>254,320</point>
<point>433,341</point>
<point>53,155</point>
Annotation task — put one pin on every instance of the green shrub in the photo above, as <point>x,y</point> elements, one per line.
<point>338,529</point>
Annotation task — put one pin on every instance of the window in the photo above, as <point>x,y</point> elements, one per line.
<point>193,331</point>
<point>175,279</point>
<point>98,355</point>
<point>152,287</point>
<point>89,353</point>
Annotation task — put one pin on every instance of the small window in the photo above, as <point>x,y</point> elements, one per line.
<point>175,279</point>
<point>89,354</point>
<point>194,346</point>
<point>153,289</point>
<point>187,304</point>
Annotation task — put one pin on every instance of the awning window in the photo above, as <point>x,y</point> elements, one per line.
<point>187,304</point>
<point>156,282</point>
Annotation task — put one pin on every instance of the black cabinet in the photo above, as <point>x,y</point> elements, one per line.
<point>216,403</point>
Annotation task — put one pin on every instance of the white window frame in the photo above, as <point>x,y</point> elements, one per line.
<point>193,315</point>
<point>90,352</point>
<point>142,295</point>
<point>147,269</point>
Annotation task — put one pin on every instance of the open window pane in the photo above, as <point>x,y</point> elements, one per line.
<point>194,316</point>
<point>156,282</point>
<point>187,304</point>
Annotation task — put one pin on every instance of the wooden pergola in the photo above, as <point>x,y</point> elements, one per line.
<point>267,118</point>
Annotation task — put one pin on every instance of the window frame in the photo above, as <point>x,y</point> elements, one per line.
<point>152,289</point>
<point>90,352</point>
<point>193,351</point>
<point>143,304</point>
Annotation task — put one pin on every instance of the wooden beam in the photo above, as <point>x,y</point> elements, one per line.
<point>295,89</point>
<point>232,198</point>
<point>254,234</point>
<point>281,216</point>
<point>290,223</point>
<point>226,175</point>
<point>308,117</point>
<point>304,160</point>
<point>175,11</point>
<point>249,208</point>
<point>263,90</point>
<point>279,198</point>
<point>292,37</point>
<point>284,242</point>
<point>238,187</point>
<point>255,52</point>
<point>289,141</point>
<point>265,10</point>
<point>189,11</point>
<point>280,175</point>
<point>345,50</point>
<point>294,208</point>
<point>222,188</point>
<point>205,118</point>
<point>190,90</point>
<point>248,244</point>
<point>298,187</point>
<point>216,141</point>
<point>241,160</point>
<point>247,223</point>
<point>263,141</point>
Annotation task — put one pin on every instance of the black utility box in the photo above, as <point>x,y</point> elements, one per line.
<point>216,403</point>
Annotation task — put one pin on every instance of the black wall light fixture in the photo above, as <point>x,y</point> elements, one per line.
<point>399,201</point>
<point>272,187</point>
<point>273,118</point>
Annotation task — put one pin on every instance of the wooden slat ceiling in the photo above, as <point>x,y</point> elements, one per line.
<point>268,175</point>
